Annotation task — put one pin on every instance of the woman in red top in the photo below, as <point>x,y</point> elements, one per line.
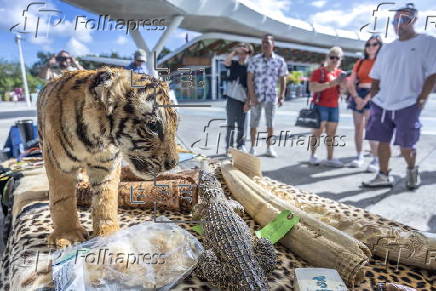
<point>325,86</point>
<point>359,86</point>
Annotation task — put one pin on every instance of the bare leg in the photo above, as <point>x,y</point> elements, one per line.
<point>63,206</point>
<point>104,207</point>
<point>384,154</point>
<point>315,138</point>
<point>359,124</point>
<point>331,134</point>
<point>270,132</point>
<point>253,132</point>
<point>409,156</point>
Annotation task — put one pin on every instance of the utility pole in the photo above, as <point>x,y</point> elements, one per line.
<point>23,69</point>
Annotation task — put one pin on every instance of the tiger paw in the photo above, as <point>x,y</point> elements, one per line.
<point>63,239</point>
<point>105,229</point>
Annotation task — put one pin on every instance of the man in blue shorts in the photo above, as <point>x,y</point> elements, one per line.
<point>404,74</point>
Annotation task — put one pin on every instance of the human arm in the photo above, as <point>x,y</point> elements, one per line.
<point>375,88</point>
<point>283,72</point>
<point>316,87</point>
<point>228,60</point>
<point>360,103</point>
<point>250,86</point>
<point>281,98</point>
<point>76,63</point>
<point>427,88</point>
<point>352,85</point>
<point>430,73</point>
<point>45,72</point>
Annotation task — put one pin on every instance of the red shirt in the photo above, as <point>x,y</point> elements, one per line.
<point>330,96</point>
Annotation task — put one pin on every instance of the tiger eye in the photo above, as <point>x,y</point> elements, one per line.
<point>153,126</point>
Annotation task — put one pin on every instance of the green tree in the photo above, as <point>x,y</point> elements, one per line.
<point>295,77</point>
<point>10,78</point>
<point>164,52</point>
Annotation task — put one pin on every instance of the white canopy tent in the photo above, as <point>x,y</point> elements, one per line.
<point>223,16</point>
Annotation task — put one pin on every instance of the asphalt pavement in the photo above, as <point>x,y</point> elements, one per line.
<point>415,208</point>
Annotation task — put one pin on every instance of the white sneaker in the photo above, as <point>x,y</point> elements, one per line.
<point>357,163</point>
<point>243,149</point>
<point>333,163</point>
<point>412,179</point>
<point>380,180</point>
<point>270,152</point>
<point>373,166</point>
<point>313,161</point>
<point>252,151</point>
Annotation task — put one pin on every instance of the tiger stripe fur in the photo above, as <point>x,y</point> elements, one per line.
<point>88,121</point>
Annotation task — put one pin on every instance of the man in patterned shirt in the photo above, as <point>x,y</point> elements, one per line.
<point>264,71</point>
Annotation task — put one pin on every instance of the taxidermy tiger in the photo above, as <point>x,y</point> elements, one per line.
<point>87,122</point>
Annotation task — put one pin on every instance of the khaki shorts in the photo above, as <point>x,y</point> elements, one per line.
<point>256,112</point>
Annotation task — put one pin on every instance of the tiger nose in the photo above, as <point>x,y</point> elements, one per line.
<point>171,163</point>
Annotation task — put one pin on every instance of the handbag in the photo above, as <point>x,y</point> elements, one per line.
<point>309,117</point>
<point>236,91</point>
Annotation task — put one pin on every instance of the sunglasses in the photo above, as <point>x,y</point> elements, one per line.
<point>334,58</point>
<point>62,59</point>
<point>402,20</point>
<point>374,44</point>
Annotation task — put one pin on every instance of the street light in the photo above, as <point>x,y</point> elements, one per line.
<point>23,69</point>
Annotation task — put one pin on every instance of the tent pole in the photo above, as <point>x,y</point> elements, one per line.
<point>140,42</point>
<point>23,69</point>
<point>174,24</point>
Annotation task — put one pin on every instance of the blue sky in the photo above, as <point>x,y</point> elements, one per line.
<point>339,14</point>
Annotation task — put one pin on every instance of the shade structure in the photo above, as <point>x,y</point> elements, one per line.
<point>228,16</point>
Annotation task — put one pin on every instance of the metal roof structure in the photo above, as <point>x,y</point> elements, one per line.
<point>221,43</point>
<point>235,17</point>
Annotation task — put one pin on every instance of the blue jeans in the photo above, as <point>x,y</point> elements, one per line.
<point>235,122</point>
<point>361,92</point>
<point>329,114</point>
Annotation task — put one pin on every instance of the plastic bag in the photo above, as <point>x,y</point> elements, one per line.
<point>150,255</point>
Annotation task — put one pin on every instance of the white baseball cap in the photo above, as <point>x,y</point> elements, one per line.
<point>140,55</point>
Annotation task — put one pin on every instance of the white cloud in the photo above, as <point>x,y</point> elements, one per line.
<point>66,28</point>
<point>319,3</point>
<point>358,16</point>
<point>361,14</point>
<point>121,40</point>
<point>12,14</point>
<point>76,48</point>
<point>273,8</point>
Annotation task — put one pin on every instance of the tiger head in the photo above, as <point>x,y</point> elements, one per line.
<point>141,122</point>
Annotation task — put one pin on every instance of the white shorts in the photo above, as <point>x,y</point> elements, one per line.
<point>256,113</point>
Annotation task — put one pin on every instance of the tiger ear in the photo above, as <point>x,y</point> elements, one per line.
<point>103,82</point>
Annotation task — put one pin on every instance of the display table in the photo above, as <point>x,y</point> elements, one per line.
<point>25,264</point>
